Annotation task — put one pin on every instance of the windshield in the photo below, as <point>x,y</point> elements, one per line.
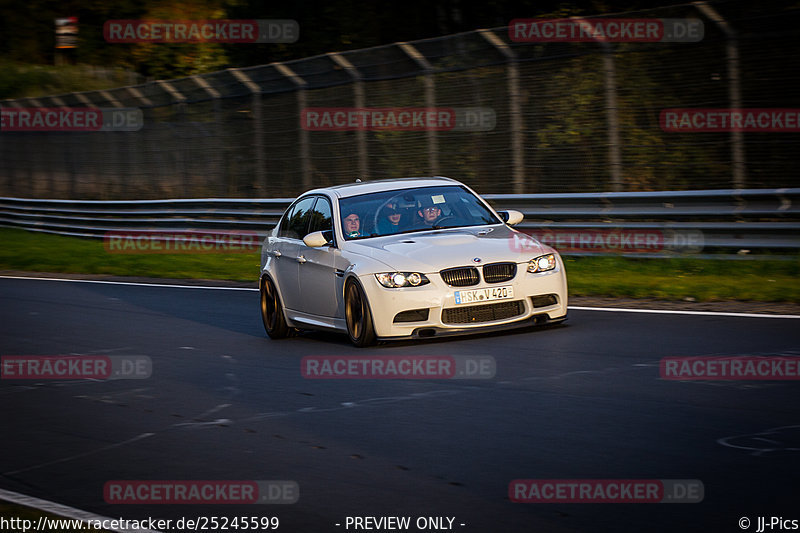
<point>410,210</point>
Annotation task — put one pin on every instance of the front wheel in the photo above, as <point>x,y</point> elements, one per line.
<point>272,311</point>
<point>358,316</point>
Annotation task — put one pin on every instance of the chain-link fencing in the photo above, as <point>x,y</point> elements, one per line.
<point>567,117</point>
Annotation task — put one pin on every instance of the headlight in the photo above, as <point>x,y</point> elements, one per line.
<point>393,280</point>
<point>542,263</point>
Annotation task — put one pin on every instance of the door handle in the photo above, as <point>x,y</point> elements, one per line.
<point>301,259</point>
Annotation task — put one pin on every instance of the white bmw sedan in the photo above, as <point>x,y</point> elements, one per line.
<point>400,258</point>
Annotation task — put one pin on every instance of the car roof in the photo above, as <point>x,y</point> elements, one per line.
<point>382,185</point>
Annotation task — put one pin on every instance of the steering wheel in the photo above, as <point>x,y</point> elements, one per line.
<point>440,219</point>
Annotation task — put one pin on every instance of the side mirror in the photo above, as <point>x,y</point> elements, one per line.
<point>317,239</point>
<point>511,217</point>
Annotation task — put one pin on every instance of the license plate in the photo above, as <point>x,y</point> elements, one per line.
<point>484,295</point>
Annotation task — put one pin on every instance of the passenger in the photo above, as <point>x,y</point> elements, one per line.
<point>389,222</point>
<point>351,223</point>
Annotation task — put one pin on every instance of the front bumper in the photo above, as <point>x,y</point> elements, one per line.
<point>535,320</point>
<point>437,296</point>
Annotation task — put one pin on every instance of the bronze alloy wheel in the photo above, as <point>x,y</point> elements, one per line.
<point>358,316</point>
<point>271,310</point>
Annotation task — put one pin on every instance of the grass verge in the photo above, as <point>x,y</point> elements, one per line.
<point>667,279</point>
<point>43,252</point>
<point>703,280</point>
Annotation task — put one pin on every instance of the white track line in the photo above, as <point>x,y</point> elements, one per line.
<point>576,308</point>
<point>133,283</point>
<point>63,510</point>
<point>678,312</point>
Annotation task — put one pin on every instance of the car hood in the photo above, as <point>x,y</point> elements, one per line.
<point>431,251</point>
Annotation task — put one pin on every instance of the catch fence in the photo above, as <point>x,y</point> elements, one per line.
<point>567,117</point>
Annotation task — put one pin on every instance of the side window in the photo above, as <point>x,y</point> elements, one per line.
<point>295,221</point>
<point>321,216</point>
<point>282,231</point>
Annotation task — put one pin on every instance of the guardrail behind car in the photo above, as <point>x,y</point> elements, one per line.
<point>728,223</point>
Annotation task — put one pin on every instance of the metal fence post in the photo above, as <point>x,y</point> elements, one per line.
<point>612,110</point>
<point>30,150</point>
<point>430,102</point>
<point>215,95</point>
<point>72,188</point>
<point>358,93</point>
<point>180,108</point>
<point>305,152</point>
<point>137,155</point>
<point>515,112</point>
<point>258,125</point>
<point>734,91</point>
<point>52,166</point>
<point>118,168</point>
<point>10,172</point>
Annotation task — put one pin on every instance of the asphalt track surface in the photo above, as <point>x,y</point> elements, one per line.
<point>582,400</point>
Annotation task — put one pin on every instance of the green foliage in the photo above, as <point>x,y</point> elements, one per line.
<point>175,60</point>
<point>21,80</point>
<point>670,279</point>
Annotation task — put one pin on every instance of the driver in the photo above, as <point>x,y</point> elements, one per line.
<point>429,212</point>
<point>351,224</point>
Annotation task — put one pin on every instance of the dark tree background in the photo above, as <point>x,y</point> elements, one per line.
<point>27,26</point>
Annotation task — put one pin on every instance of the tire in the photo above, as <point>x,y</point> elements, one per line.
<point>358,316</point>
<point>272,311</point>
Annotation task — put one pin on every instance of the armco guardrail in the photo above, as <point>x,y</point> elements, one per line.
<point>716,221</point>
